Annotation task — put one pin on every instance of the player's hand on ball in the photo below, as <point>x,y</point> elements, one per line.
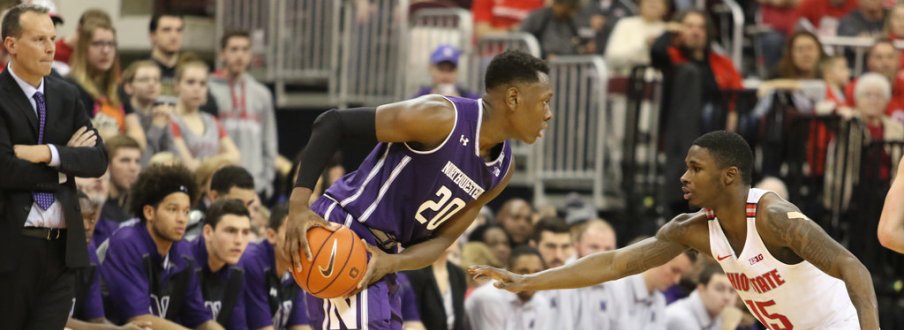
<point>296,233</point>
<point>380,264</point>
<point>504,279</point>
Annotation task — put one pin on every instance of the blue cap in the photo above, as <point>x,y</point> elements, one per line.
<point>445,53</point>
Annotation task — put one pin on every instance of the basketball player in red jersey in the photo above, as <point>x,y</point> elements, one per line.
<point>789,272</point>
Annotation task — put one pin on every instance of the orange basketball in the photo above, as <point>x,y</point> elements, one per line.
<point>340,261</point>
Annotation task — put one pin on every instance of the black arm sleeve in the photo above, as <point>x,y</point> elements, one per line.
<point>330,129</point>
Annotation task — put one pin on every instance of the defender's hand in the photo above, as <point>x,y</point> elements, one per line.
<point>297,226</point>
<point>504,279</point>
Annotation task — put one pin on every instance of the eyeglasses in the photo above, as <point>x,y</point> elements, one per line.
<point>102,44</point>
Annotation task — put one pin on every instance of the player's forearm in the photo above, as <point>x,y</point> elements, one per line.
<point>587,271</point>
<point>83,325</point>
<point>891,222</point>
<point>210,325</point>
<point>298,200</point>
<point>606,266</point>
<point>860,288</point>
<point>422,254</point>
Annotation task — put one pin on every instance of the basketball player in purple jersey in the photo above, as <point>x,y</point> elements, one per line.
<point>437,162</point>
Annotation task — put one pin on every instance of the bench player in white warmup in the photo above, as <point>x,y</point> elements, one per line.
<point>788,271</point>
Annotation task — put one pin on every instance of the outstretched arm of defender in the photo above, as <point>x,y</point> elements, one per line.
<point>891,223</point>
<point>598,267</point>
<point>803,236</point>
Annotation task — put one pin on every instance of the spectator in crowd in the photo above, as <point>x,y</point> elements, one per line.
<point>871,95</point>
<point>491,308</point>
<point>837,75</point>
<point>141,82</point>
<point>495,238</point>
<point>891,223</point>
<point>228,182</point>
<point>556,29</point>
<point>778,16</point>
<point>629,44</point>
<point>867,21</point>
<point>883,58</point>
<point>440,292</point>
<point>822,16</point>
<point>599,17</point>
<point>227,230</point>
<point>125,157</point>
<point>98,190</point>
<point>694,76</point>
<point>95,71</point>
<point>802,58</point>
<point>500,16</point>
<point>593,302</point>
<point>894,27</point>
<point>515,218</point>
<point>198,135</point>
<point>641,303</point>
<point>203,175</point>
<point>65,47</point>
<point>148,269</point>
<point>553,239</point>
<point>272,299</point>
<point>166,48</point>
<point>88,308</point>
<point>702,309</point>
<point>246,110</point>
<point>444,74</point>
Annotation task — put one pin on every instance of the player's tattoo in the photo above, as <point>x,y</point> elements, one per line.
<point>807,239</point>
<point>649,253</point>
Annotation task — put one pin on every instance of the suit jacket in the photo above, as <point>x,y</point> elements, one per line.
<point>430,300</point>
<point>19,178</point>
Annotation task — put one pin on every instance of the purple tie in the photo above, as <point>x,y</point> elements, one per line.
<point>43,199</point>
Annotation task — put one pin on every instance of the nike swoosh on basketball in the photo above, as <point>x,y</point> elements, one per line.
<point>717,257</point>
<point>329,267</point>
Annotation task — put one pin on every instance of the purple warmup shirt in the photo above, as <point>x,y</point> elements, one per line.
<point>175,294</point>
<point>407,193</point>
<point>89,304</point>
<point>214,287</point>
<point>270,299</point>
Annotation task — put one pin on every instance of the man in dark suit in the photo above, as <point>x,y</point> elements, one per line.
<point>46,140</point>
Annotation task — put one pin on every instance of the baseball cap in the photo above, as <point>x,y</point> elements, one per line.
<point>445,53</point>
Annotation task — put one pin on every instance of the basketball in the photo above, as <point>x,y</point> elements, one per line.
<point>340,261</point>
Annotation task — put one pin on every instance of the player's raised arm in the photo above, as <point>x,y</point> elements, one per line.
<point>787,225</point>
<point>602,266</point>
<point>891,223</point>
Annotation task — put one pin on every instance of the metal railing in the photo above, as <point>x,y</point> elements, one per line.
<point>857,45</point>
<point>256,17</point>
<point>572,153</point>
<point>733,35</point>
<point>431,28</point>
<point>372,65</point>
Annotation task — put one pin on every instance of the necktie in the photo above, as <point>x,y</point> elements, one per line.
<point>43,199</point>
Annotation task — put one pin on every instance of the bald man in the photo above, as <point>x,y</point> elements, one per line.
<point>515,217</point>
<point>594,302</point>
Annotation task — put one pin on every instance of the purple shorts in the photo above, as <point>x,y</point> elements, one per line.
<point>376,308</point>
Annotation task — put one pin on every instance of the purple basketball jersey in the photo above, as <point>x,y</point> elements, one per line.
<point>407,193</point>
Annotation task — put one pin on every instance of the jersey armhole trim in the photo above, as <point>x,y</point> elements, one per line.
<point>449,136</point>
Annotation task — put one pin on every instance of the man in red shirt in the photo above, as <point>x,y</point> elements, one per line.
<point>824,14</point>
<point>501,15</point>
<point>883,58</point>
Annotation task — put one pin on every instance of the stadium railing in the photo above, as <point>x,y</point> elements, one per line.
<point>572,154</point>
<point>375,41</point>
